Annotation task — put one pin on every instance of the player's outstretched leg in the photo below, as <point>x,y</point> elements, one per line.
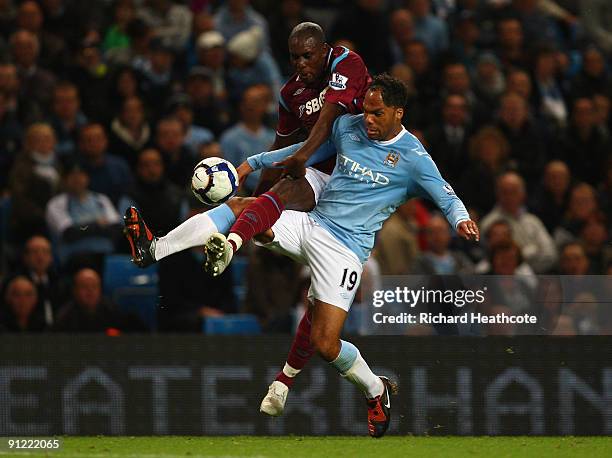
<point>347,360</point>
<point>301,352</point>
<point>147,249</point>
<point>258,217</point>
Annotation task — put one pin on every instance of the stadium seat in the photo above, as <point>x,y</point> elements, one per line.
<point>133,289</point>
<point>241,324</point>
<point>239,280</point>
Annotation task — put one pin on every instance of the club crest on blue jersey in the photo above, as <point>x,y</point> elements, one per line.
<point>392,159</point>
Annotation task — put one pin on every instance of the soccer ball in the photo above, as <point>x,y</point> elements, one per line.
<point>214,181</point>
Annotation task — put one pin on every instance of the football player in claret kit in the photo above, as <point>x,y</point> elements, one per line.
<point>328,82</point>
<point>379,166</point>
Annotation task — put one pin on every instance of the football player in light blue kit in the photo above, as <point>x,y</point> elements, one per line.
<point>379,166</point>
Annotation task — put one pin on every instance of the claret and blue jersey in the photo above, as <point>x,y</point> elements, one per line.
<point>372,178</point>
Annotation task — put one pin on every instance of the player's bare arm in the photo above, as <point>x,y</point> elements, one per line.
<point>295,165</point>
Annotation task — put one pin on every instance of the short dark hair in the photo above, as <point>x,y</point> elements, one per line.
<point>305,30</point>
<point>393,90</point>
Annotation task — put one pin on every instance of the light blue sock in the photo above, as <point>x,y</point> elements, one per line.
<point>346,358</point>
<point>223,217</point>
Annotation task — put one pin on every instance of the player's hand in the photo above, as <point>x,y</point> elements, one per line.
<point>294,165</point>
<point>468,230</point>
<point>244,170</point>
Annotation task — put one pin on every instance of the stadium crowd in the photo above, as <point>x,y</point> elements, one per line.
<point>106,104</point>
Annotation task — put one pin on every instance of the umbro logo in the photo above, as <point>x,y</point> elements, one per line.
<point>354,137</point>
<point>299,91</point>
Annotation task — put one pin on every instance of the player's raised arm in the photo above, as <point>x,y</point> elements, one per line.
<point>442,194</point>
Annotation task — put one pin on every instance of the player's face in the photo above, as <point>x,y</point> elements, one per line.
<point>382,122</point>
<point>308,57</point>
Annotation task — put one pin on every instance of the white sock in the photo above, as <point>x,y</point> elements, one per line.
<point>193,232</point>
<point>290,371</point>
<point>236,239</point>
<point>360,375</point>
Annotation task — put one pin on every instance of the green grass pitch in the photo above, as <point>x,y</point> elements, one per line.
<point>296,446</point>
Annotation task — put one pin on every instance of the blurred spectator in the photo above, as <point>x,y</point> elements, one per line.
<point>281,22</point>
<point>448,141</point>
<point>208,111</point>
<point>34,180</point>
<point>157,73</point>
<point>573,260</point>
<point>510,41</point>
<point>139,37</point>
<point>489,81</point>
<point>91,75</point>
<point>464,43</point>
<point>124,83</point>
<point>195,136</point>
<point>202,22</point>
<point>594,237</point>
<point>518,82</point>
<point>81,221</point>
<point>10,139</point>
<point>593,77</point>
<point>373,46</point>
<point>456,81</point>
<point>510,289</point>
<point>250,135</point>
<point>18,312</point>
<point>527,147</point>
<point>548,94</point>
<point>23,109</point>
<point>425,79</point>
<point>89,311</point>
<point>212,149</point>
<point>396,245</point>
<point>584,148</point>
<point>37,265</point>
<point>170,141</point>
<point>564,327</point>
<point>116,36</point>
<point>162,204</point>
<point>596,16</point>
<point>211,55</point>
<point>108,174</point>
<point>402,32</point>
<point>170,21</point>
<point>52,47</point>
<point>603,122</point>
<point>428,28</point>
<point>414,116</point>
<point>536,244</point>
<point>250,64</point>
<point>489,152</point>
<point>551,198</point>
<point>36,84</point>
<point>129,131</point>
<point>236,16</point>
<point>582,206</point>
<point>66,117</point>
<point>499,232</point>
<point>439,259</point>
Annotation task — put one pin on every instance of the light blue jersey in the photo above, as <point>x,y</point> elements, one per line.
<point>372,178</point>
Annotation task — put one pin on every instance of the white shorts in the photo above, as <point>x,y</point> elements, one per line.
<point>335,270</point>
<point>317,181</point>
